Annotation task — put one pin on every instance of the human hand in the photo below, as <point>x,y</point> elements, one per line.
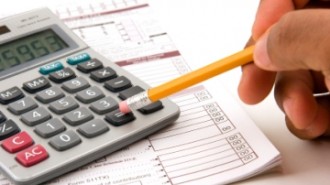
<point>293,52</point>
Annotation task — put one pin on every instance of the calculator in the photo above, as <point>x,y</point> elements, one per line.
<point>59,101</point>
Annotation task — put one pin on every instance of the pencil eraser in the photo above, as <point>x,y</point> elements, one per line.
<point>123,107</point>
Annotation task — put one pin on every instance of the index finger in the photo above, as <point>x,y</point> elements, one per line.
<point>270,11</point>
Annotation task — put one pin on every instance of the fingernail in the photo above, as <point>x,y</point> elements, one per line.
<point>261,57</point>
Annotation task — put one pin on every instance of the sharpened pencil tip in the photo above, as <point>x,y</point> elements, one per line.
<point>123,107</point>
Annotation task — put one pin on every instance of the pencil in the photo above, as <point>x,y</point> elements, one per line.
<point>173,86</point>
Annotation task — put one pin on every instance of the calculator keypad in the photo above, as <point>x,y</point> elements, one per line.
<point>78,116</point>
<point>103,74</point>
<point>62,75</point>
<point>104,105</point>
<point>118,118</point>
<point>49,95</point>
<point>49,128</point>
<point>8,128</point>
<point>118,84</point>
<point>65,140</point>
<point>90,95</point>
<point>10,95</point>
<point>83,57</point>
<point>32,155</point>
<point>36,116</point>
<point>89,66</point>
<point>75,85</point>
<point>93,128</point>
<point>17,142</point>
<point>2,117</point>
<point>63,107</point>
<point>23,105</point>
<point>36,85</point>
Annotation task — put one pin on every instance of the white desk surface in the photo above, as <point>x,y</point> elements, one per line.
<point>206,30</point>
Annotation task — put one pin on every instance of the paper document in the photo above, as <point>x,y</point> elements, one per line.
<point>213,141</point>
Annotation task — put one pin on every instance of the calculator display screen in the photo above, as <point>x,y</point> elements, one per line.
<point>29,48</point>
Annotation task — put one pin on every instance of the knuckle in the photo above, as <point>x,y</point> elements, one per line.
<point>282,40</point>
<point>300,39</point>
<point>282,33</point>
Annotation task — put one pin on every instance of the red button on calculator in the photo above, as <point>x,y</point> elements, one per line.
<point>17,142</point>
<point>32,155</point>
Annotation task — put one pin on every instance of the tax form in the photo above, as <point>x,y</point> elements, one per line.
<point>213,141</point>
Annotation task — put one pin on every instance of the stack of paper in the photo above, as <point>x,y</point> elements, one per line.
<point>213,141</point>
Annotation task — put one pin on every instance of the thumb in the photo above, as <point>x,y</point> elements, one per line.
<point>299,40</point>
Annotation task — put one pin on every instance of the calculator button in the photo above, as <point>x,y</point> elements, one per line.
<point>78,116</point>
<point>62,75</point>
<point>153,107</point>
<point>103,74</point>
<point>118,84</point>
<point>10,95</point>
<point>75,85</point>
<point>93,128</point>
<point>65,140</point>
<point>8,128</point>
<point>46,69</point>
<point>90,95</point>
<point>49,128</point>
<point>63,105</point>
<point>49,95</point>
<point>104,105</point>
<point>36,116</point>
<point>144,110</point>
<point>32,155</point>
<point>89,66</point>
<point>2,117</point>
<point>36,85</point>
<point>23,105</point>
<point>130,92</point>
<point>118,118</point>
<point>78,59</point>
<point>17,142</point>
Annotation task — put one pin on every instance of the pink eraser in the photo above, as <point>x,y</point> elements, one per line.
<point>123,107</point>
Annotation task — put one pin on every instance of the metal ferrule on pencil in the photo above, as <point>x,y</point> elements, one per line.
<point>138,101</point>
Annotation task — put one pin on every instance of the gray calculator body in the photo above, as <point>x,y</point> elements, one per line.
<point>22,26</point>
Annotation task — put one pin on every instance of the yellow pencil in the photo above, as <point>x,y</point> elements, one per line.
<point>156,93</point>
